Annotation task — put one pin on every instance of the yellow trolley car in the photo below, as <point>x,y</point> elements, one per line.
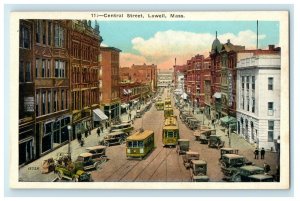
<point>139,144</point>
<point>170,132</point>
<point>167,102</point>
<point>159,105</point>
<point>168,111</point>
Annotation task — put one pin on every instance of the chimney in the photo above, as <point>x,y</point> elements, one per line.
<point>228,41</point>
<point>271,47</point>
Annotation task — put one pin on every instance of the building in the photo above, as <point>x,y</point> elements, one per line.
<point>258,98</point>
<point>206,83</point>
<point>110,97</point>
<point>56,58</point>
<point>164,79</point>
<point>84,77</point>
<point>178,76</point>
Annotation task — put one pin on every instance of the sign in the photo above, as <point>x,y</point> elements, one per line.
<point>29,104</point>
<point>229,81</point>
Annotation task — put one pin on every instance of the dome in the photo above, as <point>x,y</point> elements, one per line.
<point>216,46</point>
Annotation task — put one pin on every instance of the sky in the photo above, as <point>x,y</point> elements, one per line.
<point>160,42</point>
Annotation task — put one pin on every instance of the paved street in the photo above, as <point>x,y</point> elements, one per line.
<point>162,164</point>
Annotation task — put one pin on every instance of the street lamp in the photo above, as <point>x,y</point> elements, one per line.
<point>69,144</point>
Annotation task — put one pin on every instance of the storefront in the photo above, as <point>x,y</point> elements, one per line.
<point>26,144</point>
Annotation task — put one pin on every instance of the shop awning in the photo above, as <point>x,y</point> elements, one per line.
<point>98,115</point>
<point>184,96</point>
<point>217,95</point>
<point>228,120</point>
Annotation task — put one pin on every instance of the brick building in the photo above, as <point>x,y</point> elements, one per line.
<point>130,91</point>
<point>179,71</point>
<point>110,97</point>
<point>46,78</point>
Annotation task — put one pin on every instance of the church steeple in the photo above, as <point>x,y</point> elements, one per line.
<point>216,34</point>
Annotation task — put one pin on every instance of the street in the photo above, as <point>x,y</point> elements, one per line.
<point>163,164</point>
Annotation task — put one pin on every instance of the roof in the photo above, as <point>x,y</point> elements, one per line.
<point>140,135</point>
<point>183,140</point>
<point>116,133</point>
<point>86,154</point>
<point>199,162</point>
<point>95,147</point>
<point>99,115</point>
<point>122,124</point>
<point>229,119</point>
<point>170,121</point>
<point>228,149</point>
<point>192,153</point>
<point>251,168</point>
<point>232,156</point>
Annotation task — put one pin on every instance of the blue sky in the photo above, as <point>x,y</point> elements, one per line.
<point>160,41</point>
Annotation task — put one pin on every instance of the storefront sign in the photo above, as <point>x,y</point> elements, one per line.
<point>29,104</point>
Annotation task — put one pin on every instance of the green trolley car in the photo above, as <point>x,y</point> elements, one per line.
<point>170,133</point>
<point>139,144</point>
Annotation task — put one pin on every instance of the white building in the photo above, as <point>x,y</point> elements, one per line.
<point>258,99</point>
<point>164,79</point>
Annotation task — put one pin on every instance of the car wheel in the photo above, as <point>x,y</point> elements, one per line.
<point>97,166</point>
<point>106,144</point>
<point>103,159</point>
<point>75,179</point>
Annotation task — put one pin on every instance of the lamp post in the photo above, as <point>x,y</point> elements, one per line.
<point>69,144</point>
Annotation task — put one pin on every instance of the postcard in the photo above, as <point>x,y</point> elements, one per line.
<point>149,100</point>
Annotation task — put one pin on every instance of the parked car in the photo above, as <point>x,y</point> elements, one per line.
<point>226,150</point>
<point>260,178</point>
<point>193,123</point>
<point>248,170</point>
<point>125,127</point>
<point>230,164</point>
<point>183,146</point>
<point>98,153</point>
<point>188,157</point>
<point>215,141</point>
<point>198,171</point>
<point>113,138</point>
<point>203,135</point>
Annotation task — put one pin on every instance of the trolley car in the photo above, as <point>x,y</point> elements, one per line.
<point>168,111</point>
<point>167,102</point>
<point>159,105</point>
<point>170,132</point>
<point>139,144</point>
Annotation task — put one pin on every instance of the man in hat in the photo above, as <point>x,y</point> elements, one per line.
<point>256,153</point>
<point>262,153</point>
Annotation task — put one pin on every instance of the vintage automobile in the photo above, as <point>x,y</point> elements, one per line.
<point>85,162</point>
<point>183,115</point>
<point>66,169</point>
<point>226,150</point>
<point>123,127</point>
<point>215,141</point>
<point>198,171</point>
<point>113,138</point>
<point>183,146</point>
<point>98,153</point>
<point>187,118</point>
<point>203,135</point>
<point>193,123</point>
<point>248,170</point>
<point>260,178</point>
<point>230,164</point>
<point>188,157</point>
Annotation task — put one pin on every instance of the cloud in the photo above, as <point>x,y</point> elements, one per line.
<point>165,46</point>
<point>127,59</point>
<point>104,45</point>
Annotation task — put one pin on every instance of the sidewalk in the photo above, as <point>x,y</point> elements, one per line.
<point>32,172</point>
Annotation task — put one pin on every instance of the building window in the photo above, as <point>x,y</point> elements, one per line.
<point>247,84</point>
<point>37,63</point>
<point>253,82</point>
<point>60,68</point>
<point>49,102</point>
<point>270,83</point>
<point>62,99</point>
<point>59,36</point>
<point>243,102</point>
<point>43,68</point>
<point>243,82</point>
<point>44,28</point>
<point>43,103</point>
<point>24,37</point>
<point>21,71</point>
<point>28,72</point>
<point>48,68</point>
<point>270,108</point>
<point>55,105</point>
<point>66,99</point>
<point>49,33</point>
<point>38,32</point>
<point>253,105</point>
<point>270,131</point>
<point>37,104</point>
<point>248,103</point>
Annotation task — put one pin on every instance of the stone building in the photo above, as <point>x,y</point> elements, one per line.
<point>258,98</point>
<point>164,79</point>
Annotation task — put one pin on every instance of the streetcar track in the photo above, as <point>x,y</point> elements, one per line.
<point>122,166</point>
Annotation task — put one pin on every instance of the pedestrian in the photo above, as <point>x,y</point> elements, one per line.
<point>262,153</point>
<point>101,127</point>
<point>129,116</point>
<point>105,124</point>
<point>90,130</point>
<point>98,132</point>
<point>267,168</point>
<point>256,153</point>
<point>86,133</point>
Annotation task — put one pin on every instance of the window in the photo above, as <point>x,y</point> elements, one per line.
<point>24,37</point>
<point>66,99</point>
<point>270,108</point>
<point>59,36</point>
<point>60,68</point>
<point>243,82</point>
<point>43,68</point>
<point>38,31</point>
<point>44,28</point>
<point>55,102</point>
<point>270,83</point>
<point>37,63</point>
<point>43,103</point>
<point>270,131</point>
<point>37,104</point>
<point>48,68</point>
<point>62,99</point>
<point>253,105</point>
<point>28,72</point>
<point>247,84</point>
<point>21,71</point>
<point>49,32</point>
<point>49,102</point>
<point>243,103</point>
<point>253,82</point>
<point>248,103</point>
